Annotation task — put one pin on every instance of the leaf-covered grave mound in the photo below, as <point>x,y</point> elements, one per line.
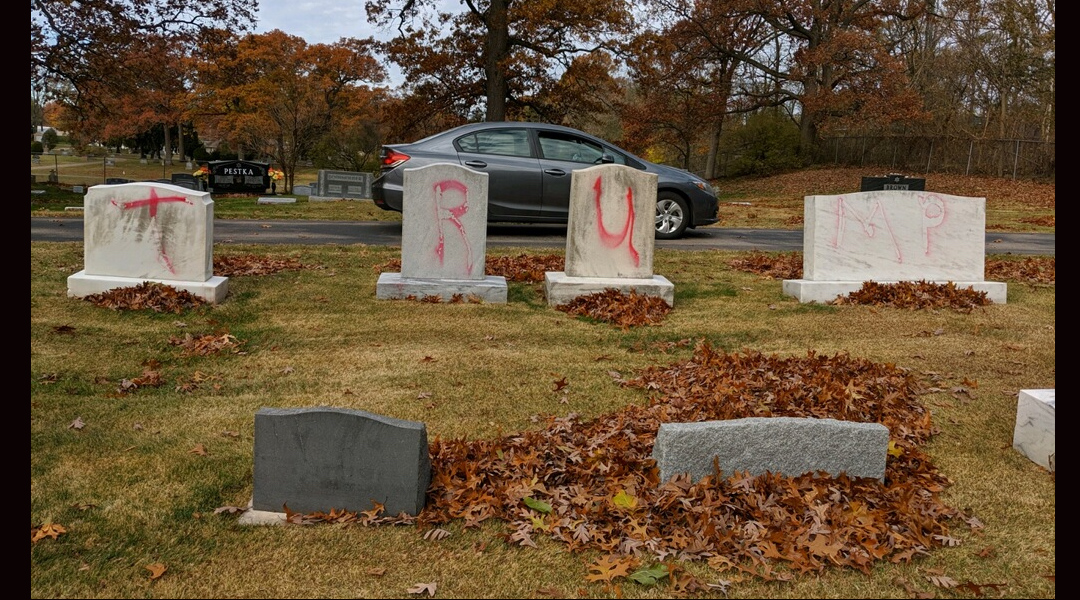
<point>593,484</point>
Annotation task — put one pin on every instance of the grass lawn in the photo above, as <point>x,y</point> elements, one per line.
<point>142,434</point>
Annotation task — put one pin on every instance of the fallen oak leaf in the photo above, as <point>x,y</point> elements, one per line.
<point>48,530</point>
<point>423,588</point>
<point>156,570</point>
<point>610,567</point>
<point>436,534</point>
<point>976,588</point>
<point>199,449</point>
<point>232,510</point>
<point>376,571</point>
<point>77,424</point>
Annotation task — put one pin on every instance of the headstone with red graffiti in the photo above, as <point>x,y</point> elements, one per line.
<point>148,231</point>
<point>889,236</point>
<point>443,238</point>
<point>610,236</point>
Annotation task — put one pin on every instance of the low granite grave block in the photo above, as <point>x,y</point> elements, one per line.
<point>789,446</point>
<point>890,236</point>
<point>276,200</point>
<point>318,459</point>
<point>148,232</point>
<point>1033,435</point>
<point>341,185</point>
<point>610,236</point>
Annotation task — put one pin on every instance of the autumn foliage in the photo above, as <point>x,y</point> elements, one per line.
<point>592,484</point>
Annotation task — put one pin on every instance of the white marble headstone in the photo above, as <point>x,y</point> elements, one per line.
<point>894,236</point>
<point>148,231</point>
<point>611,228</point>
<point>444,222</point>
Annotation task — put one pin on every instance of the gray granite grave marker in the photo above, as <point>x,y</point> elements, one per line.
<point>317,459</point>
<point>788,446</point>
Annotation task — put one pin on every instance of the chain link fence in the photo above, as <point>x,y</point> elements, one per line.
<point>67,169</point>
<point>1014,159</point>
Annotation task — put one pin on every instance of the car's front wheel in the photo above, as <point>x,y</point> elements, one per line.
<point>672,216</point>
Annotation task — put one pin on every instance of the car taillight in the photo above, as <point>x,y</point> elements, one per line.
<point>393,158</point>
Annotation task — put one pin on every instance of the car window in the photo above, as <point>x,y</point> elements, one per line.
<point>506,142</point>
<point>563,146</point>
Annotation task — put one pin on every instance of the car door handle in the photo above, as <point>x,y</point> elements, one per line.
<point>479,164</point>
<point>555,172</point>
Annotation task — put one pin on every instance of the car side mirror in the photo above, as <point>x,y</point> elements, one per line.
<point>607,159</point>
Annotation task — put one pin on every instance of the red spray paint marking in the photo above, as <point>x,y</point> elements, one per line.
<point>867,223</point>
<point>455,213</point>
<point>933,215</point>
<point>153,202</point>
<point>612,240</point>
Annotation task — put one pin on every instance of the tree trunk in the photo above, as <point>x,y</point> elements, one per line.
<point>496,50</point>
<point>714,148</point>
<point>166,157</point>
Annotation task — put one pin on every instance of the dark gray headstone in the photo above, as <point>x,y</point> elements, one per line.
<point>317,459</point>
<point>788,446</point>
<point>893,181</point>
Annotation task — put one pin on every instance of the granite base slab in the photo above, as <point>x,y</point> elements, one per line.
<point>213,290</point>
<point>392,286</point>
<point>827,291</point>
<point>562,288</point>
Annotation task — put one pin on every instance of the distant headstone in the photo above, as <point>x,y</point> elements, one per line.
<point>77,189</point>
<point>610,236</point>
<point>891,236</point>
<point>187,180</point>
<point>443,237</point>
<point>317,459</point>
<point>302,190</point>
<point>117,180</point>
<point>238,176</point>
<point>1033,435</point>
<point>276,200</point>
<point>148,231</point>
<point>893,182</point>
<point>789,446</point>
<point>342,185</point>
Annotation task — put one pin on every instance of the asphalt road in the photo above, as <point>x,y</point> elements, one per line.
<point>388,233</point>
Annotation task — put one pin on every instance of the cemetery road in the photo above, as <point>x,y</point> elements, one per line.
<point>388,233</point>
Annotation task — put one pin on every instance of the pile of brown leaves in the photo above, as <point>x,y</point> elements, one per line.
<point>251,264</point>
<point>615,307</point>
<point>527,268</point>
<point>147,295</point>
<point>772,266</point>
<point>205,345</point>
<point>1035,269</point>
<point>593,484</point>
<point>916,295</point>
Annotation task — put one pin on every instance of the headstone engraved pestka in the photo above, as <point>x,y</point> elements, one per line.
<point>889,237</point>
<point>443,237</point>
<point>610,236</point>
<point>148,232</point>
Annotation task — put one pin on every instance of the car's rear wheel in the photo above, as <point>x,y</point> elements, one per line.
<point>672,216</point>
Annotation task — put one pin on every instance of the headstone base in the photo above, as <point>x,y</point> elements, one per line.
<point>212,290</point>
<point>1033,435</point>
<point>275,200</point>
<point>561,288</point>
<point>827,291</point>
<point>392,286</point>
<point>261,517</point>
<point>333,198</point>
